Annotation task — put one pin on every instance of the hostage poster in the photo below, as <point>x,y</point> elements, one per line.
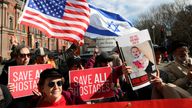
<point>137,51</point>
<point>91,84</point>
<point>25,78</point>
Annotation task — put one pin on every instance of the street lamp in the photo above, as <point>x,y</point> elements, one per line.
<point>153,28</point>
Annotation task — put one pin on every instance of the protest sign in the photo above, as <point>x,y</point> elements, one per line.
<point>92,83</point>
<point>25,78</point>
<point>138,53</point>
<point>160,103</point>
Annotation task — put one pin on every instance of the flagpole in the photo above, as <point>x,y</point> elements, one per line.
<point>123,60</point>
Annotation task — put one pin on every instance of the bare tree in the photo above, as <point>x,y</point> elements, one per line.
<point>175,18</point>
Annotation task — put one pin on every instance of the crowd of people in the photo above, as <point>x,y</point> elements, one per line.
<point>174,80</point>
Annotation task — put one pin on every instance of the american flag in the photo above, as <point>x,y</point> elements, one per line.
<point>63,19</point>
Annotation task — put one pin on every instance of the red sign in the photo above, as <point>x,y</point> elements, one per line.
<point>139,80</point>
<point>25,78</point>
<point>161,103</point>
<point>92,83</point>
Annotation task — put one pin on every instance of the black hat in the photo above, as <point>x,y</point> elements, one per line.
<point>50,73</point>
<point>103,57</point>
<point>178,44</point>
<point>41,51</point>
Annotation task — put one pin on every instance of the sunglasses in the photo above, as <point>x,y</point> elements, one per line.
<point>52,84</point>
<point>24,55</point>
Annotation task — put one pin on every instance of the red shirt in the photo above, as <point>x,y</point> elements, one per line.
<point>58,104</point>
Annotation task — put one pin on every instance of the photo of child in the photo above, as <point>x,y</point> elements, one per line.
<point>141,61</point>
<point>138,53</point>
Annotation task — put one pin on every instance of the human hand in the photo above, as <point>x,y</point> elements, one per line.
<point>11,86</point>
<point>189,74</point>
<point>36,92</point>
<point>126,69</point>
<point>70,89</point>
<point>157,82</point>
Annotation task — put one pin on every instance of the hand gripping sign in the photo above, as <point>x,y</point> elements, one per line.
<point>25,78</point>
<point>93,83</point>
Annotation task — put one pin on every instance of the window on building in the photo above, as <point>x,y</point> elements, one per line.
<point>11,23</point>
<point>23,29</point>
<point>5,17</point>
<point>18,28</point>
<point>23,42</point>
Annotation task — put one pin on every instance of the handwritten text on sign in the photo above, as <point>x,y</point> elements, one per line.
<point>92,83</point>
<point>25,78</point>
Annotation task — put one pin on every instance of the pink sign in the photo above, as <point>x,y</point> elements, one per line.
<point>25,78</point>
<point>92,83</point>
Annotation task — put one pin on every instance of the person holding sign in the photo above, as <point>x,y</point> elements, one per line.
<point>161,88</point>
<point>104,60</point>
<point>50,85</point>
<point>22,57</point>
<point>180,70</point>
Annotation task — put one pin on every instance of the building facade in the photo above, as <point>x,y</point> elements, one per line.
<point>10,11</point>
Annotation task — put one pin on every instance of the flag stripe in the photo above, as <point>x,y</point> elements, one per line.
<point>49,33</point>
<point>110,15</point>
<point>45,16</point>
<point>78,5</point>
<point>100,31</point>
<point>75,19</point>
<point>61,23</point>
<point>76,13</point>
<point>75,31</point>
<point>78,10</point>
<point>75,16</point>
<point>104,23</point>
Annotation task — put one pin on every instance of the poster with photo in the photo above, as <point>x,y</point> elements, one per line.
<point>136,49</point>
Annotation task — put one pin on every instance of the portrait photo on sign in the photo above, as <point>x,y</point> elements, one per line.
<point>141,58</point>
<point>137,52</point>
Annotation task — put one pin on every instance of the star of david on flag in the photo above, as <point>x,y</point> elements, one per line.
<point>104,23</point>
<point>63,19</point>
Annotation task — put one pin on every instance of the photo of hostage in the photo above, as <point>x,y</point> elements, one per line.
<point>141,61</point>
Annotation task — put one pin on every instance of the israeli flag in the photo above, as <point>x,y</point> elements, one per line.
<point>104,23</point>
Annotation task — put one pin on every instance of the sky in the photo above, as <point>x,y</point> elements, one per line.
<point>129,9</point>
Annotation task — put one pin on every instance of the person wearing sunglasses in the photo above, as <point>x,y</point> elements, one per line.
<point>50,86</point>
<point>22,57</point>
